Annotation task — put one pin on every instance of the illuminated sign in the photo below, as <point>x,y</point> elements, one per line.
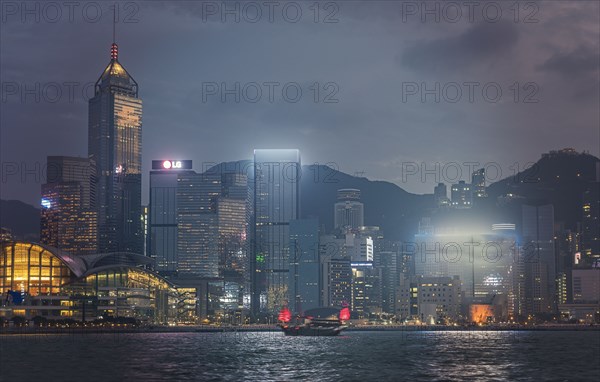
<point>171,164</point>
<point>46,203</point>
<point>503,226</point>
<point>361,264</point>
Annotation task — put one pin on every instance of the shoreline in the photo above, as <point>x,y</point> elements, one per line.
<point>258,329</point>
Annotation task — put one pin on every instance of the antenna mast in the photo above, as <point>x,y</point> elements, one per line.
<point>114,49</point>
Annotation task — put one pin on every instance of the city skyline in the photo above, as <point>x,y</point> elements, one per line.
<point>419,179</point>
<point>563,70</point>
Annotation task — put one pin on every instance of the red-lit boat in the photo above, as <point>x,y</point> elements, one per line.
<point>316,322</point>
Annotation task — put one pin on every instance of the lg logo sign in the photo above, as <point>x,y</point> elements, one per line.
<point>169,164</point>
<point>164,164</point>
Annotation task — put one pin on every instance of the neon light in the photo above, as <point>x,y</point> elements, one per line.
<point>285,315</point>
<point>345,314</point>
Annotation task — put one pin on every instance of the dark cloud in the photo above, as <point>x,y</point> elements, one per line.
<point>478,44</point>
<point>171,51</point>
<point>579,62</point>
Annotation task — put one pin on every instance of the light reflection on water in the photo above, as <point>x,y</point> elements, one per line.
<point>426,356</point>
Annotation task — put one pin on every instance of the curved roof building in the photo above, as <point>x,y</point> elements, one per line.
<point>38,280</point>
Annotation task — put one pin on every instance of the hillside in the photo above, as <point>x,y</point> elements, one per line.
<point>396,211</point>
<point>21,218</point>
<point>559,178</point>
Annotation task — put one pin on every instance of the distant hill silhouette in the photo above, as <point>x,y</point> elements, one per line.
<point>559,178</point>
<point>21,218</point>
<point>386,205</point>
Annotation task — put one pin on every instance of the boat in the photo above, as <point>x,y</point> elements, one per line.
<point>316,323</point>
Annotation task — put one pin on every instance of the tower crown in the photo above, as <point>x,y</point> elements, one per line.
<point>114,51</point>
<point>115,76</point>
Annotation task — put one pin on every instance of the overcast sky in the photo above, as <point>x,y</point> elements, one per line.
<point>372,59</point>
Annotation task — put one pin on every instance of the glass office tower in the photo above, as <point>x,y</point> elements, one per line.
<point>162,210</point>
<point>276,203</point>
<point>198,224</point>
<point>115,146</point>
<point>305,287</point>
<point>538,256</point>
<point>67,219</point>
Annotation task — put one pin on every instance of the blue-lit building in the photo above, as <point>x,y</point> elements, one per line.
<point>161,242</point>
<point>276,187</point>
<point>305,286</point>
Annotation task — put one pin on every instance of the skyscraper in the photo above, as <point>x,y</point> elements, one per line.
<point>67,220</point>
<point>162,211</point>
<point>388,262</point>
<point>305,283</point>
<point>538,256</point>
<point>115,146</point>
<point>337,281</point>
<point>276,203</point>
<point>232,235</point>
<point>348,210</point>
<point>232,209</point>
<point>590,238</point>
<point>198,224</point>
<point>366,288</point>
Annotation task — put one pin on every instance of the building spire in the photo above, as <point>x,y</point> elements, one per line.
<point>114,49</point>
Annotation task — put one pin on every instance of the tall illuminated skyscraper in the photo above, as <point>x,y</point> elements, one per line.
<point>115,145</point>
<point>198,224</point>
<point>276,202</point>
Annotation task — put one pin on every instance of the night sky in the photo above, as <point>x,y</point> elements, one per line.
<point>364,61</point>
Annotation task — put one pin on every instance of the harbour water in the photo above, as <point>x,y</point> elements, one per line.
<point>270,356</point>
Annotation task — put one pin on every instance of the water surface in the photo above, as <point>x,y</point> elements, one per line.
<point>354,356</point>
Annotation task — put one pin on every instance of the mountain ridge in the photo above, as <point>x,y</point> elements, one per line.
<point>558,177</point>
